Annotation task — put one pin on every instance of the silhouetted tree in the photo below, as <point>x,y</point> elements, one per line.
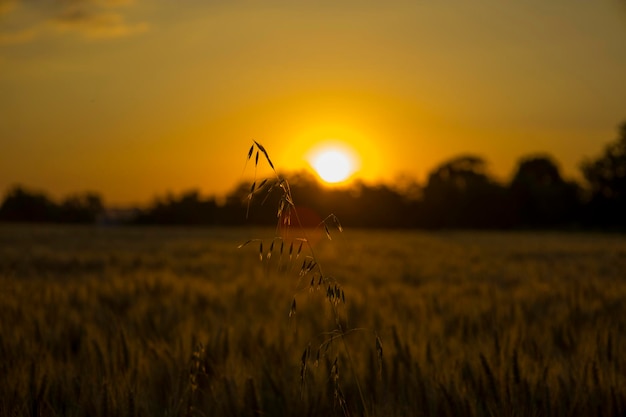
<point>247,206</point>
<point>358,205</point>
<point>188,209</point>
<point>81,208</point>
<point>606,176</point>
<point>459,193</point>
<point>540,196</point>
<point>21,205</point>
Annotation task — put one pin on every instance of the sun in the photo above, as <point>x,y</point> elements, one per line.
<point>333,164</point>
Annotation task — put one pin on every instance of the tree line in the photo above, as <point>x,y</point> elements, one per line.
<point>459,193</point>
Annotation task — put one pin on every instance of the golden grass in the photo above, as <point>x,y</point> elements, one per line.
<point>142,322</point>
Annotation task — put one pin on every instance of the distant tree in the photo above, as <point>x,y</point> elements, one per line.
<point>313,200</point>
<point>406,185</point>
<point>359,205</point>
<point>460,193</point>
<point>385,207</point>
<point>242,207</point>
<point>81,208</point>
<point>606,177</point>
<point>541,197</point>
<point>22,205</point>
<point>187,209</point>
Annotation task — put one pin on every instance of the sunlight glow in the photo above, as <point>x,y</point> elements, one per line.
<point>333,164</point>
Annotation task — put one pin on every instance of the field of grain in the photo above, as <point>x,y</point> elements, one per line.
<point>172,322</point>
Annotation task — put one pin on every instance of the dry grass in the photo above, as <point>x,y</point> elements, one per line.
<point>179,322</point>
<point>290,231</point>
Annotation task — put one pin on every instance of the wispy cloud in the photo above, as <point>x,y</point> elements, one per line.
<point>90,19</point>
<point>99,23</point>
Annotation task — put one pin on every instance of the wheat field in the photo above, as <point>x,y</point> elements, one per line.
<point>182,322</point>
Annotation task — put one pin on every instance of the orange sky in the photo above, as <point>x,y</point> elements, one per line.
<point>137,98</point>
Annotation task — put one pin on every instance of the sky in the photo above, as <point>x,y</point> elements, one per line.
<point>135,98</point>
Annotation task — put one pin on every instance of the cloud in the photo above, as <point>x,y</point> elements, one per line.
<point>100,24</point>
<point>90,19</point>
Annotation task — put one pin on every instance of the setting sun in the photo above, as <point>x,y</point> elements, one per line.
<point>333,164</point>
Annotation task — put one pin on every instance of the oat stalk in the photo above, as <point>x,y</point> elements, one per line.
<point>335,295</point>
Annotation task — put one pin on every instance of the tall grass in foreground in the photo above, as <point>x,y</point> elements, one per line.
<point>143,322</point>
<point>289,240</point>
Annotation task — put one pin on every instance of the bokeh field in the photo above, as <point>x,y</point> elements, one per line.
<point>180,322</point>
